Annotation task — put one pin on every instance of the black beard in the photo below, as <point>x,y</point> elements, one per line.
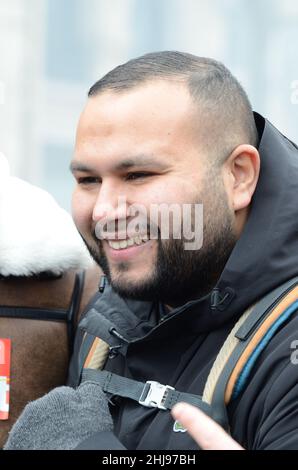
<point>180,275</point>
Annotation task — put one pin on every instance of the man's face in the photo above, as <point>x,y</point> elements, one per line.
<point>143,145</point>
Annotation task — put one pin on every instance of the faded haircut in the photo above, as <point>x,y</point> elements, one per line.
<point>225,116</point>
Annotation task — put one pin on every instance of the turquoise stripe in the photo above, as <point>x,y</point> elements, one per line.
<point>242,379</point>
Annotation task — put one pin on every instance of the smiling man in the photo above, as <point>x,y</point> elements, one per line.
<point>150,144</point>
<point>172,128</point>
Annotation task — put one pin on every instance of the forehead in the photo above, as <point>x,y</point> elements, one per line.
<point>155,117</point>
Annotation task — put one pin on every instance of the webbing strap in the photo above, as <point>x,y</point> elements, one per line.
<point>262,322</point>
<point>29,313</point>
<point>150,394</point>
<point>244,337</point>
<point>262,307</point>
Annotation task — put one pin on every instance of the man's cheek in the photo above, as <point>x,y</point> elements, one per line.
<point>81,217</point>
<point>82,210</point>
<point>79,221</point>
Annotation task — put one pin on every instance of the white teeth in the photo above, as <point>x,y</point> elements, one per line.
<point>114,245</point>
<point>122,244</point>
<point>137,240</point>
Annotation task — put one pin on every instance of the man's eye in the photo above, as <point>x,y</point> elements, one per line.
<point>137,175</point>
<point>88,180</point>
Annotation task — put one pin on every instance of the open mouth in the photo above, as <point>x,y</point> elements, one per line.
<point>123,244</point>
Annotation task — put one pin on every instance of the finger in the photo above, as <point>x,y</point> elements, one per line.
<point>204,430</point>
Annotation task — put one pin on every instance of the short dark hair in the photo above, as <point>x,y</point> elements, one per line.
<point>227,116</point>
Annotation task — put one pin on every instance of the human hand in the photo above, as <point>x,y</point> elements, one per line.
<point>204,430</point>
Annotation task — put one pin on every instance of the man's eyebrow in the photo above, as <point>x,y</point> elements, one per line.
<point>137,161</point>
<point>78,166</point>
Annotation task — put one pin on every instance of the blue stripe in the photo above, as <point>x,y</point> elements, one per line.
<point>244,375</point>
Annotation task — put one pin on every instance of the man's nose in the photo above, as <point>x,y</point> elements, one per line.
<point>110,204</point>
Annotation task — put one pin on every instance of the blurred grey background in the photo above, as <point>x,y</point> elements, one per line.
<point>52,51</point>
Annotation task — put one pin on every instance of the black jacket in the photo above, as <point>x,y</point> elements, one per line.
<point>179,349</point>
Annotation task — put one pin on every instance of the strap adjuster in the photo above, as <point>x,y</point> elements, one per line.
<point>154,394</point>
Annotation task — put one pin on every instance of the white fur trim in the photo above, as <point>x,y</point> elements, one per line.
<point>36,235</point>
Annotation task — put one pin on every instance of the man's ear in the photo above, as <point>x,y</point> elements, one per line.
<point>241,174</point>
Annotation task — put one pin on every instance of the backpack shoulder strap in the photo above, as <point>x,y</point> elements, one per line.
<point>89,351</point>
<point>231,370</point>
